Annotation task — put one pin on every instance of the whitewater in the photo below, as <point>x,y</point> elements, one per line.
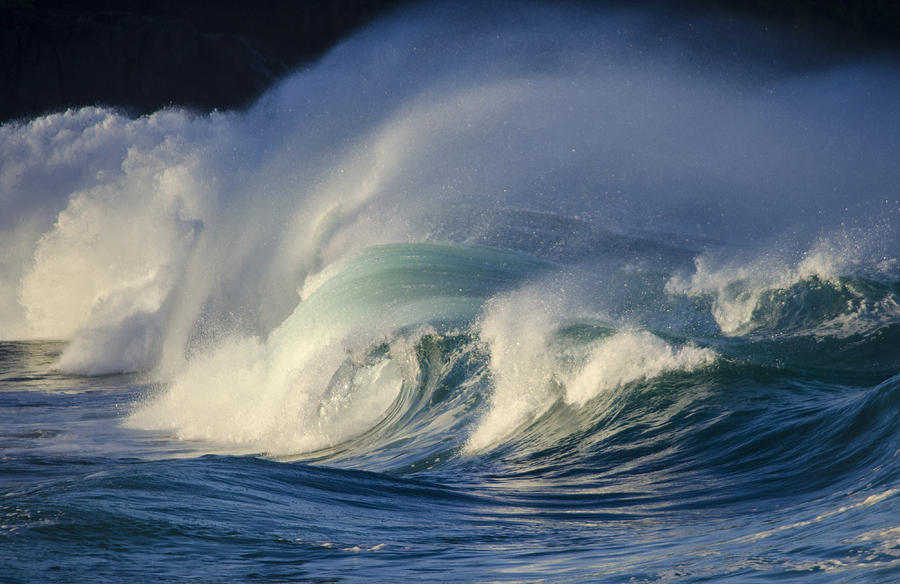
<point>559,294</point>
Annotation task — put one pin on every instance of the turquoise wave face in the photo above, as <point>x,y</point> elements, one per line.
<point>427,282</point>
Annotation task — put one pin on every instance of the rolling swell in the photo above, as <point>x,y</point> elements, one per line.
<point>702,420</point>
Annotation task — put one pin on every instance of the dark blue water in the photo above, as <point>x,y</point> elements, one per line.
<point>565,295</point>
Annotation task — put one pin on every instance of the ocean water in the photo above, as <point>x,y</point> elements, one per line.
<point>571,294</point>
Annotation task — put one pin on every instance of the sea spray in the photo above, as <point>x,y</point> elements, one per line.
<point>740,285</point>
<point>604,142</point>
<point>335,366</point>
<point>543,352</point>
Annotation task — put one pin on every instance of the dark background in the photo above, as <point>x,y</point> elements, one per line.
<point>142,55</point>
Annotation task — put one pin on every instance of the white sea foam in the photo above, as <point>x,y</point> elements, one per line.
<point>312,389</point>
<point>98,207</point>
<point>334,366</point>
<point>516,330</point>
<point>738,283</point>
<point>631,356</point>
<point>529,376</point>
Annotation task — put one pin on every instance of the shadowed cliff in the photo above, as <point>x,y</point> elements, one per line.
<point>143,55</point>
